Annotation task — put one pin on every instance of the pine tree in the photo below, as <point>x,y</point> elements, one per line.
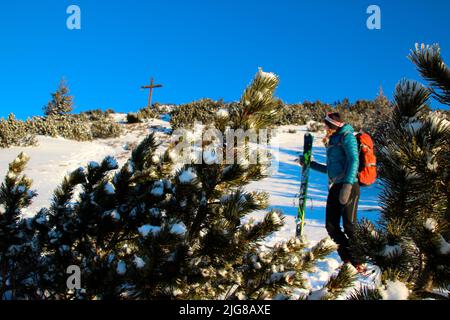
<point>338,285</point>
<point>18,248</point>
<point>432,67</point>
<point>61,103</point>
<point>80,233</point>
<point>411,244</point>
<point>429,63</point>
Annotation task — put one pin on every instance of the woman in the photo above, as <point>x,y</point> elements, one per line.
<point>342,169</point>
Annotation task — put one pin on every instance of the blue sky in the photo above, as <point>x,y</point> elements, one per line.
<point>208,48</point>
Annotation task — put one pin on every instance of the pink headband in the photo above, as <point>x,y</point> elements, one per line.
<point>334,122</point>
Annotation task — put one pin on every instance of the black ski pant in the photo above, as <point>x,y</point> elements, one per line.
<point>335,212</point>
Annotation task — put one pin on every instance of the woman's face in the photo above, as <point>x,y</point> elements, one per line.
<point>329,130</point>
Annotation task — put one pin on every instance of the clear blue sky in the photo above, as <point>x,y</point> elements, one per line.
<point>208,48</point>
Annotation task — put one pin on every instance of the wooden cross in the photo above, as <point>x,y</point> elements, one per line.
<point>151,87</point>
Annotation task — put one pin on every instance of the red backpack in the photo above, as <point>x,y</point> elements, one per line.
<point>367,174</point>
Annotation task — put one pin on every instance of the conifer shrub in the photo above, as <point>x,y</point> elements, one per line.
<point>133,117</point>
<point>203,111</point>
<point>362,115</point>
<point>314,126</point>
<point>79,127</point>
<point>411,241</point>
<point>97,114</point>
<point>14,132</point>
<point>146,113</point>
<point>105,128</point>
<point>292,114</point>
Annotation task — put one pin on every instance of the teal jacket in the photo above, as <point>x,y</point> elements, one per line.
<point>342,157</point>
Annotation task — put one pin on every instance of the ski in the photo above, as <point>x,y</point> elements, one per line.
<point>307,152</point>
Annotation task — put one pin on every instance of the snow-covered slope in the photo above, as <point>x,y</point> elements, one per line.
<point>54,158</point>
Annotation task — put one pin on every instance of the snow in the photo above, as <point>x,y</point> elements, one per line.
<point>444,246</point>
<point>328,243</point>
<point>187,176</point>
<point>121,268</point>
<point>241,296</point>
<point>177,292</point>
<point>438,121</point>
<point>210,156</point>
<point>53,159</point>
<point>138,262</point>
<point>19,189</point>
<point>53,234</point>
<point>93,165</point>
<point>41,220</point>
<point>111,258</point>
<point>155,160</point>
<point>178,228</point>
<point>420,46</point>
<point>391,251</point>
<point>267,75</point>
<point>115,215</point>
<point>11,175</point>
<point>146,229</point>
<point>432,166</point>
<point>414,126</point>
<point>223,113</point>
<point>158,189</point>
<point>109,188</point>
<point>64,248</point>
<point>130,166</point>
<point>331,264</point>
<point>431,224</point>
<point>8,295</point>
<point>275,218</point>
<point>394,290</point>
<point>111,163</point>
<point>120,117</point>
<point>318,294</point>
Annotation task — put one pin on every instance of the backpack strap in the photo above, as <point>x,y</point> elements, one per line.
<point>341,142</point>
<point>370,165</point>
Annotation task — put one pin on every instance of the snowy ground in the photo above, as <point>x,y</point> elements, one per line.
<point>54,158</point>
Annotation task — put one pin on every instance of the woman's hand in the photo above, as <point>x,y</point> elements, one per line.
<point>302,160</point>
